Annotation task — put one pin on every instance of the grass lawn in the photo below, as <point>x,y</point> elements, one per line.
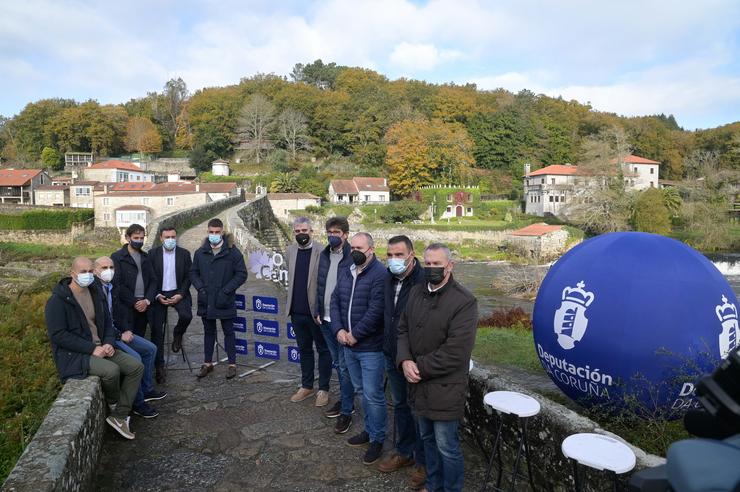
<point>33,251</point>
<point>514,347</point>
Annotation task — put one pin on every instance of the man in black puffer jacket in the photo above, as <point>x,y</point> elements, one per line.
<point>81,332</point>
<point>218,269</point>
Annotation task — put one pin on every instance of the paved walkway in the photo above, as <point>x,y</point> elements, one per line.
<point>243,434</point>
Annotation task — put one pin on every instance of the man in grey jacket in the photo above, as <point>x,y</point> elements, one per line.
<point>303,267</point>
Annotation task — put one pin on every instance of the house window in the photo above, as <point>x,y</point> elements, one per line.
<point>449,209</point>
<point>382,198</point>
<point>562,198</point>
<point>449,197</point>
<point>470,210</point>
<point>542,181</point>
<point>367,198</point>
<point>121,176</point>
<point>552,180</point>
<point>145,201</point>
<point>469,197</point>
<point>652,185</point>
<point>551,199</point>
<point>557,199</point>
<point>652,170</point>
<point>106,201</point>
<point>636,171</point>
<point>170,201</point>
<point>106,217</point>
<point>82,191</point>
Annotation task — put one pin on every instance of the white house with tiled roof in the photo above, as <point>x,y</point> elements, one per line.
<point>116,171</point>
<point>359,190</point>
<point>18,185</point>
<point>549,189</point>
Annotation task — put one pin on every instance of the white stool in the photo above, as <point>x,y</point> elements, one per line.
<point>523,407</point>
<point>600,453</point>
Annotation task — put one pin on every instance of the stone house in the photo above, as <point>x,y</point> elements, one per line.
<point>359,190</point>
<point>538,241</point>
<point>116,171</point>
<point>52,195</point>
<point>18,185</point>
<point>283,203</point>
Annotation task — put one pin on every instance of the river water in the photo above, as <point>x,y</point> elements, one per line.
<point>477,277</point>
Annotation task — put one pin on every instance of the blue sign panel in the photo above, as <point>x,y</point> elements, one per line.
<point>630,320</point>
<point>293,354</point>
<point>291,333</point>
<point>267,350</point>
<point>240,324</point>
<point>241,302</point>
<point>262,304</point>
<point>241,346</point>
<point>266,327</point>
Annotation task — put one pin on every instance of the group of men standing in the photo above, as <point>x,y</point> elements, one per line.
<point>98,316</point>
<point>408,322</point>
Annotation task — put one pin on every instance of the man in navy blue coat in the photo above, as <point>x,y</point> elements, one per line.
<point>218,269</point>
<point>357,322</point>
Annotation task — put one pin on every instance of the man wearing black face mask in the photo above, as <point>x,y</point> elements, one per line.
<point>303,267</point>
<point>436,335</point>
<point>135,286</point>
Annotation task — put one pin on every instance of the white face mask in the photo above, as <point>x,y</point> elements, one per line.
<point>85,279</point>
<point>107,275</point>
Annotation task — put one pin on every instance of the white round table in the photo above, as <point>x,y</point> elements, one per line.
<point>512,403</point>
<point>598,452</point>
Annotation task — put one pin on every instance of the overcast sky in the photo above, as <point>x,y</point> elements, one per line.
<point>628,57</point>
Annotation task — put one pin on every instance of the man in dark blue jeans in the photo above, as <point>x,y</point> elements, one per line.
<point>217,270</point>
<point>404,271</point>
<point>303,265</point>
<point>357,322</point>
<point>333,259</point>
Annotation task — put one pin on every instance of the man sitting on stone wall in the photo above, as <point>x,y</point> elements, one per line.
<point>82,338</point>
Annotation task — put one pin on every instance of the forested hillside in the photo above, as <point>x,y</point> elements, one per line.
<point>413,130</point>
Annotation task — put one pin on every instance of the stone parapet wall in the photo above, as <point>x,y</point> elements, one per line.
<point>547,430</point>
<point>63,454</point>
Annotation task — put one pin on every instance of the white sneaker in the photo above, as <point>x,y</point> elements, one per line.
<point>121,426</point>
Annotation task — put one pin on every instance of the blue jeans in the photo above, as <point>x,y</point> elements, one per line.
<point>144,351</point>
<point>366,371</point>
<point>308,334</point>
<point>346,390</point>
<point>444,458</point>
<point>407,439</point>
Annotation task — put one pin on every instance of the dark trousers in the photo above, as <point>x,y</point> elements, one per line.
<point>209,338</point>
<point>308,334</point>
<point>184,310</point>
<point>139,321</point>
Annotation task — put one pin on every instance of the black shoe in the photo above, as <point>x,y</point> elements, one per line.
<point>335,411</point>
<point>359,440</point>
<point>145,410</point>
<point>154,395</point>
<point>176,343</point>
<point>344,422</point>
<point>231,372</point>
<point>373,453</point>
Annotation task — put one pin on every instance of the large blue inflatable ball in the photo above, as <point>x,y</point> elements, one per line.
<point>629,321</point>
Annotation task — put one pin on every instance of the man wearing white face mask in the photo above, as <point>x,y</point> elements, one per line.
<point>172,276</point>
<point>81,332</point>
<point>138,347</point>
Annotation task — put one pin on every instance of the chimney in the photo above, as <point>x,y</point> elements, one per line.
<point>527,168</point>
<point>197,187</point>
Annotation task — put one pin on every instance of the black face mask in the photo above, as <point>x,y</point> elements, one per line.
<point>434,275</point>
<point>302,239</point>
<point>358,257</point>
<point>137,245</point>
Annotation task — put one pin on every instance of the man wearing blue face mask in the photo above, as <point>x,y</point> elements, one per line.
<point>82,336</point>
<point>172,273</point>
<point>218,269</point>
<point>135,286</point>
<point>404,271</point>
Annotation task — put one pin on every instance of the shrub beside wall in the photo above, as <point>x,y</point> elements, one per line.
<point>44,219</point>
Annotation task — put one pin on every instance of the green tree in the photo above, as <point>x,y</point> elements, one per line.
<point>285,183</point>
<point>51,158</point>
<point>142,136</point>
<point>317,73</point>
<point>650,213</point>
<point>401,211</point>
<point>29,128</point>
<point>672,200</point>
<point>212,115</point>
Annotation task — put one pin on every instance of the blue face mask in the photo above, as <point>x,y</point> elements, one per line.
<point>335,241</point>
<point>396,265</point>
<point>85,279</point>
<point>214,238</point>
<point>170,243</point>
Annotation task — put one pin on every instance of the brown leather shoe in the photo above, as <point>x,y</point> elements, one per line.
<point>418,479</point>
<point>204,370</point>
<point>160,375</point>
<point>394,462</point>
<point>231,372</point>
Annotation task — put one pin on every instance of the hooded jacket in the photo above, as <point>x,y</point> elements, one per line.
<point>71,341</point>
<point>216,278</point>
<point>393,312</point>
<point>437,331</point>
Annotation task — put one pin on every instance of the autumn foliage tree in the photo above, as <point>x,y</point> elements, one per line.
<point>142,136</point>
<point>423,152</point>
